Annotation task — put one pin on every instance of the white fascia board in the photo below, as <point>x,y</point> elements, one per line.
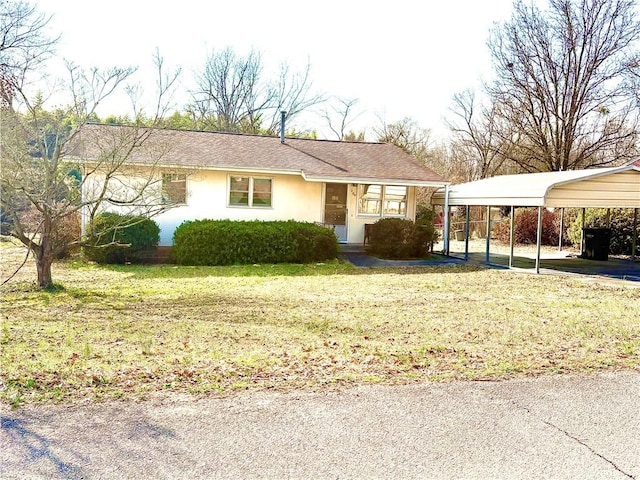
<point>496,202</point>
<point>262,171</point>
<point>373,181</point>
<point>232,168</point>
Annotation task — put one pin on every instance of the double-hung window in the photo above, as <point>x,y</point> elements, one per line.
<point>382,200</point>
<point>253,192</point>
<point>174,188</point>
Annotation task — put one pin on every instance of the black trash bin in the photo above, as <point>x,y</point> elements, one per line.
<point>596,243</point>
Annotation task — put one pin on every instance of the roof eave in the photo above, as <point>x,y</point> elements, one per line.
<point>219,168</point>
<point>374,181</point>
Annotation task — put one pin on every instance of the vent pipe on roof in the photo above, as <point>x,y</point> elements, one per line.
<point>282,115</point>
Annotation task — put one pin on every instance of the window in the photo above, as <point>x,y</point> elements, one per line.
<point>395,201</point>
<point>382,200</point>
<point>369,199</point>
<point>174,188</point>
<point>261,195</point>
<point>239,191</point>
<point>250,191</point>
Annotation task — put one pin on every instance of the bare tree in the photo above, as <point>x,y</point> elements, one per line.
<point>407,135</point>
<point>560,83</point>
<point>477,135</point>
<point>446,159</point>
<point>342,108</point>
<point>24,45</point>
<point>232,96</point>
<point>55,167</point>
<point>227,97</point>
<point>290,93</point>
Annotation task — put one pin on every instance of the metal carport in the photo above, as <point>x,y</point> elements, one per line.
<point>615,187</point>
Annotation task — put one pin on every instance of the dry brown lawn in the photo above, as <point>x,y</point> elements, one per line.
<point>127,332</point>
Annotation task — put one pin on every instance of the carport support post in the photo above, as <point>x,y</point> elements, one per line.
<point>584,212</point>
<point>486,258</point>
<point>447,213</point>
<point>466,234</point>
<point>512,234</point>
<point>538,239</point>
<point>634,237</point>
<point>561,229</point>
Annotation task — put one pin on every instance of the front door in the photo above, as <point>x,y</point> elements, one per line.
<point>335,208</point>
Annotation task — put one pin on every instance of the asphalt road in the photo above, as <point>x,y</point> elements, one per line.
<point>556,427</point>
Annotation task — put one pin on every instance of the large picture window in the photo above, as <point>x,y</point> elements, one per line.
<point>174,188</point>
<point>382,200</point>
<point>250,191</point>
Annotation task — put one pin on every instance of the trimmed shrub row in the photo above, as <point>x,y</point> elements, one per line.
<point>134,238</point>
<point>227,242</point>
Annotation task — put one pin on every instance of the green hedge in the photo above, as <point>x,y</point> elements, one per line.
<point>226,242</point>
<point>621,223</point>
<point>140,235</point>
<point>399,238</point>
<point>425,218</point>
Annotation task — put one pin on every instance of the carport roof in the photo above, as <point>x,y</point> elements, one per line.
<point>615,187</point>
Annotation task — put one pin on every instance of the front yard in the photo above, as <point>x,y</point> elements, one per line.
<point>127,332</point>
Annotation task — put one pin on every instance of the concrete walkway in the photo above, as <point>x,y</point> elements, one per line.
<point>558,427</point>
<point>558,263</point>
<point>361,259</point>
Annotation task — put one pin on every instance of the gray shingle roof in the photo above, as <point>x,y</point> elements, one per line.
<point>320,160</point>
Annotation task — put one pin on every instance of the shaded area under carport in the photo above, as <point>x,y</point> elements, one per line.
<point>614,267</point>
<point>361,259</point>
<point>618,268</point>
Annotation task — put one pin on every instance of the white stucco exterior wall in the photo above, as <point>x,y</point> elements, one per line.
<point>208,195</point>
<point>293,198</point>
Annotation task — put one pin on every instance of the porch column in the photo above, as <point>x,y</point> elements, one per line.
<point>466,234</point>
<point>561,229</point>
<point>486,257</point>
<point>512,234</point>
<point>445,226</point>
<point>538,239</point>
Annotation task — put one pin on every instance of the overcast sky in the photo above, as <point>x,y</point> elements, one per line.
<point>400,58</point>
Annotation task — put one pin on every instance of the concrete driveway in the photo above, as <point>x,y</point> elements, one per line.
<point>551,427</point>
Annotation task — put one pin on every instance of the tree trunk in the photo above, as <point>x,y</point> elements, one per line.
<point>44,260</point>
